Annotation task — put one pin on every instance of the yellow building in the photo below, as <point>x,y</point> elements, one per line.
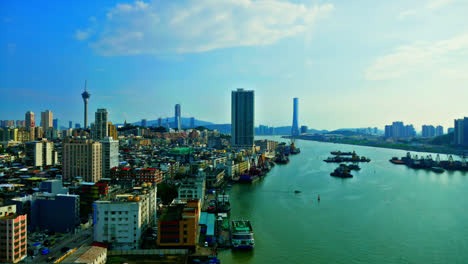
<point>112,131</point>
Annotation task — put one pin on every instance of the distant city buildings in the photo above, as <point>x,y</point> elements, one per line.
<point>304,129</point>
<point>461,132</point>
<point>56,123</point>
<point>428,131</point>
<point>144,123</point>
<point>243,118</point>
<point>30,119</point>
<point>101,121</point>
<point>399,130</point>
<point>439,131</point>
<point>192,122</point>
<point>160,122</point>
<point>70,124</point>
<point>177,118</point>
<point>46,119</point>
<point>82,158</point>
<point>295,125</point>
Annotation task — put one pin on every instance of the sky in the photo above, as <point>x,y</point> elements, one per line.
<point>351,63</point>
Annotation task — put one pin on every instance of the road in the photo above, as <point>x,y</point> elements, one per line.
<point>85,237</point>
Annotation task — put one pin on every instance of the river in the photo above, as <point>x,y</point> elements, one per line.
<point>385,214</point>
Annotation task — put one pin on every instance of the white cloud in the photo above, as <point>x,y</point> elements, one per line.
<point>82,35</point>
<point>422,57</point>
<point>201,25</point>
<point>430,6</point>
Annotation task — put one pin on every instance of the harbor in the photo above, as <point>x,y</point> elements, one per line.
<point>378,205</point>
<point>427,162</point>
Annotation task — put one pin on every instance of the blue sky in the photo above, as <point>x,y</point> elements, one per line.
<point>351,63</point>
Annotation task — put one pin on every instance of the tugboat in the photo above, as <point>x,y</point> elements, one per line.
<point>341,172</point>
<point>242,235</point>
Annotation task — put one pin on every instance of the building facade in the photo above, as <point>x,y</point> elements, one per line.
<point>13,235</point>
<point>122,220</point>
<point>242,118</point>
<point>47,119</point>
<point>82,158</point>
<point>110,155</point>
<point>101,124</point>
<point>178,118</point>
<point>30,119</point>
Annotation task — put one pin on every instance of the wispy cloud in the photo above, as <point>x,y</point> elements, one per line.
<point>428,7</point>
<point>82,35</point>
<point>421,57</point>
<point>201,25</point>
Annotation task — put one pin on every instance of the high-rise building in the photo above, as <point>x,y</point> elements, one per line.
<point>110,155</point>
<point>13,235</point>
<point>144,123</point>
<point>70,124</point>
<point>439,131</point>
<point>30,119</point>
<point>56,124</point>
<point>177,118</point>
<point>33,151</point>
<point>20,123</point>
<point>46,119</point>
<point>458,132</point>
<point>428,131</point>
<point>77,126</point>
<point>85,95</point>
<point>159,122</point>
<point>304,129</point>
<point>388,131</point>
<point>82,158</point>
<point>134,212</point>
<point>112,131</point>
<point>243,118</point>
<point>295,124</point>
<point>101,121</point>
<point>192,122</point>
<point>39,132</point>
<point>465,131</point>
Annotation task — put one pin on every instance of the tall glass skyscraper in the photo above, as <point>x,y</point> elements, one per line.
<point>295,124</point>
<point>177,118</point>
<point>243,118</point>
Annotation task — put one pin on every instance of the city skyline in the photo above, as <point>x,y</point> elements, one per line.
<point>381,79</point>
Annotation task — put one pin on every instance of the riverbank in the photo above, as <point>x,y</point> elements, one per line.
<point>400,146</point>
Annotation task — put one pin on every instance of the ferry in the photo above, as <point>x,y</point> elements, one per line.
<point>242,235</point>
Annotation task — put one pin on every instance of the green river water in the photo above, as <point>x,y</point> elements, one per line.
<point>385,214</point>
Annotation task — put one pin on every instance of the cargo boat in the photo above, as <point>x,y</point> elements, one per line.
<point>242,234</point>
<point>341,172</point>
<point>397,161</point>
<point>339,153</point>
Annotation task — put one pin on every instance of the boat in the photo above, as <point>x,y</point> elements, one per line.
<point>354,167</point>
<point>437,169</point>
<point>297,191</point>
<point>242,234</point>
<point>397,161</point>
<point>339,153</point>
<point>341,172</point>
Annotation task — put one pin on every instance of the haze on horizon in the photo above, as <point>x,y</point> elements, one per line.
<point>351,63</point>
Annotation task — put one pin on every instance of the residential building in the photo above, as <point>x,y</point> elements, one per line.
<point>110,155</point>
<point>304,129</point>
<point>34,151</point>
<point>242,118</point>
<point>82,158</point>
<point>178,225</point>
<point>112,131</point>
<point>100,124</point>
<point>214,177</point>
<point>144,123</point>
<point>70,124</point>
<point>89,193</point>
<point>121,220</point>
<point>13,235</point>
<point>46,119</point>
<point>30,119</point>
<point>54,186</point>
<point>192,122</point>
